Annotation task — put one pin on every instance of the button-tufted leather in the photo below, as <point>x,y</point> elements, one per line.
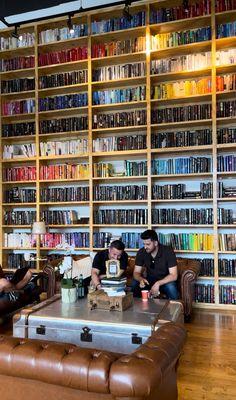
<point>147,373</point>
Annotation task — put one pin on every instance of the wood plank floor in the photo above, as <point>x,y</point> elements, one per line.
<point>207,370</point>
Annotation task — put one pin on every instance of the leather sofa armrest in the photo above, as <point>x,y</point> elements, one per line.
<point>48,273</point>
<point>144,371</point>
<point>188,271</point>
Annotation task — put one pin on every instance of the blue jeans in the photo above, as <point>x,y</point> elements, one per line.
<point>169,289</point>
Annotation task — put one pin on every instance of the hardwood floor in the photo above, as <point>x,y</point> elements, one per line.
<point>207,369</point>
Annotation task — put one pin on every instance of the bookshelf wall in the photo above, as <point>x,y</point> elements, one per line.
<point>122,126</point>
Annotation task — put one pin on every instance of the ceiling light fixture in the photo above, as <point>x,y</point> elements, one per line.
<point>126,12</point>
<point>15,32</point>
<point>69,23</point>
<point>186,6</point>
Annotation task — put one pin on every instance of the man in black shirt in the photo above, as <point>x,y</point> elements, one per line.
<point>115,252</point>
<point>160,266</point>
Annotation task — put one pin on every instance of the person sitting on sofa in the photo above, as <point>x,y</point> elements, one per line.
<point>114,252</point>
<point>160,266</point>
<point>19,280</point>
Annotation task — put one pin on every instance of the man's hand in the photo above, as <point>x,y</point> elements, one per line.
<point>143,283</point>
<point>155,289</point>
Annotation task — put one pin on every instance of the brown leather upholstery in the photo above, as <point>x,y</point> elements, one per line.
<point>188,271</point>
<point>148,373</point>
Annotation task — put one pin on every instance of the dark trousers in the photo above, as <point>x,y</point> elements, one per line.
<point>169,289</point>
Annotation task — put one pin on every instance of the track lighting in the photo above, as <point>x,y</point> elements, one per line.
<point>70,24</point>
<point>15,32</point>
<point>81,6</point>
<point>186,6</point>
<point>126,12</point>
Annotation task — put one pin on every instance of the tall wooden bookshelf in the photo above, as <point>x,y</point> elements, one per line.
<point>159,87</point>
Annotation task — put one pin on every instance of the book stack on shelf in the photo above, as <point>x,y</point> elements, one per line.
<point>120,125</point>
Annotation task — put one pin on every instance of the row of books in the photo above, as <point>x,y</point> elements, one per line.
<point>62,240</point>
<point>181,113</point>
<point>101,239</point>
<point>62,102</point>
<point>59,217</point>
<point>128,217</point>
<point>158,15</point>
<point>226,216</point>
<point>76,146</point>
<point>19,151</point>
<point>116,48</point>
<point>120,71</point>
<point>186,62</point>
<point>63,79</point>
<point>226,135</point>
<point>25,39</point>
<point>227,241</point>
<point>19,174</point>
<point>174,39</point>
<point>64,171</point>
<point>18,240</point>
<point>118,23</point>
<point>227,56</point>
<point>188,241</point>
<point>119,119</point>
<point>191,87</point>
<point>224,5</point>
<point>204,293</point>
<point>226,82</point>
<point>178,191</point>
<point>190,165</point>
<point>198,137</point>
<point>129,192</point>
<point>17,260</point>
<point>20,129</point>
<point>226,163</point>
<point>132,240</point>
<point>72,124</point>
<point>63,33</point>
<point>227,267</point>
<point>124,95</point>
<point>17,85</point>
<point>19,217</point>
<point>21,62</point>
<point>63,194</point>
<point>226,191</point>
<point>63,56</point>
<point>207,267</point>
<point>183,216</point>
<point>120,143</point>
<point>227,294</point>
<point>18,107</point>
<point>19,195</point>
<point>226,109</point>
<point>226,30</point>
<point>131,168</point>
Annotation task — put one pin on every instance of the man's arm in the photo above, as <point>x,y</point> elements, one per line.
<point>95,277</point>
<point>138,276</point>
<point>171,277</point>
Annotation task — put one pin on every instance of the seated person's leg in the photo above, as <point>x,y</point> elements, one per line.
<point>24,281</point>
<point>135,288</point>
<point>170,290</point>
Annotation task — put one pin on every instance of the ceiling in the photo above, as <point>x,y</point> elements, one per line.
<point>18,11</point>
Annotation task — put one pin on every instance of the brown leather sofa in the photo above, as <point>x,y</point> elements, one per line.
<point>188,271</point>
<point>45,282</point>
<point>34,369</point>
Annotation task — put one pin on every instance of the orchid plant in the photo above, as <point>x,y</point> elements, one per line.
<point>66,266</point>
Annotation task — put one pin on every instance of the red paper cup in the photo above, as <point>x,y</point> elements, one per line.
<point>145,295</point>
